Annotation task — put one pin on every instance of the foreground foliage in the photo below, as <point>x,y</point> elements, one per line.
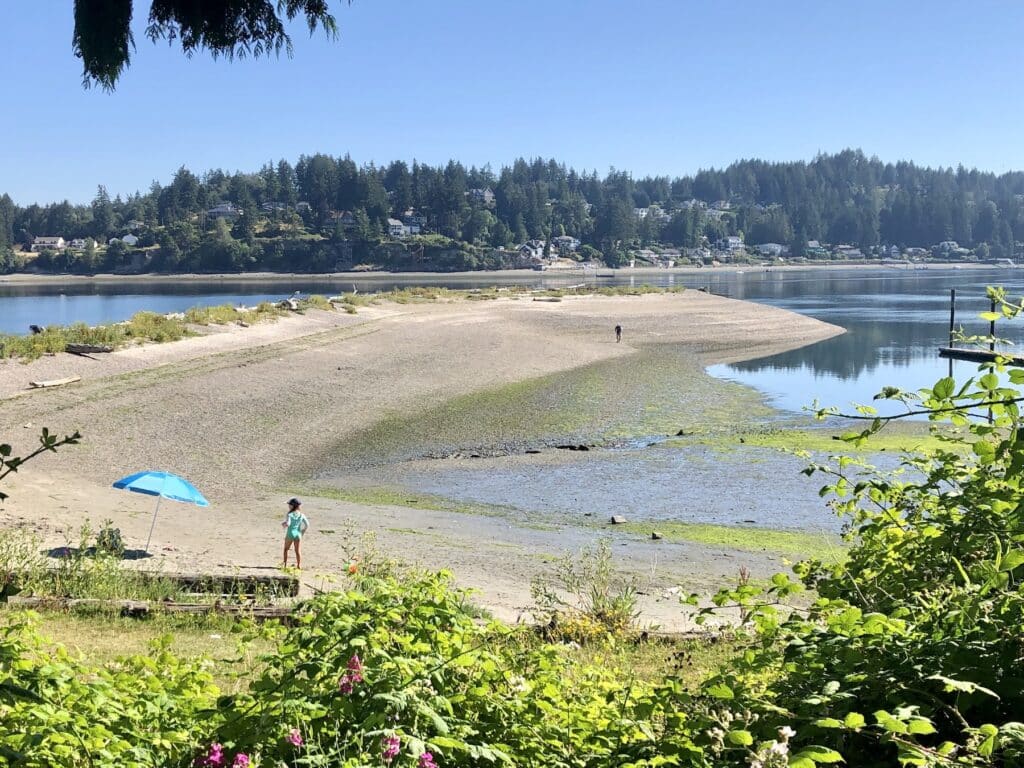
<point>909,652</point>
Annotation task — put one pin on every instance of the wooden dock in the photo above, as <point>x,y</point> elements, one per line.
<point>981,356</point>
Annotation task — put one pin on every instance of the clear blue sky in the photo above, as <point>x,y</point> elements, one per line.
<point>651,86</point>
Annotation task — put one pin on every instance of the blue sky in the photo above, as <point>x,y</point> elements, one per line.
<point>651,86</point>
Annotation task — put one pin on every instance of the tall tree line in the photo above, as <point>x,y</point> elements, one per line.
<point>845,197</point>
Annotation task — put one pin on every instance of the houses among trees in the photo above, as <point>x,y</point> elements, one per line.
<point>326,212</point>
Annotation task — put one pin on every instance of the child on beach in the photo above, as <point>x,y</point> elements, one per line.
<point>295,524</point>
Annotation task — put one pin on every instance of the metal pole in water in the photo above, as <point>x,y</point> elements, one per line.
<point>991,346</point>
<point>952,320</point>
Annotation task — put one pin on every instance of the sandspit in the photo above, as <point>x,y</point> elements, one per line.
<point>247,413</point>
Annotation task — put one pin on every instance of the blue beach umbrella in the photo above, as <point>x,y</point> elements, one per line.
<point>163,485</point>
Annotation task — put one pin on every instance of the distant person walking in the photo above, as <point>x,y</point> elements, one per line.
<point>295,524</point>
<point>618,333</point>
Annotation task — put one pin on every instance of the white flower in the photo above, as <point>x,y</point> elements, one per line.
<point>779,748</point>
<point>786,733</point>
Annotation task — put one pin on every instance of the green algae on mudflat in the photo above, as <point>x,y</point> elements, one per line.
<point>656,391</point>
<point>795,544</point>
<point>911,438</point>
<point>383,496</point>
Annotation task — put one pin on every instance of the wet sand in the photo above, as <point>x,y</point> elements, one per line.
<point>250,415</point>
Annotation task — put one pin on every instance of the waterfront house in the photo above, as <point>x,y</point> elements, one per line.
<point>531,249</point>
<point>396,228</point>
<point>78,243</point>
<point>131,240</point>
<point>770,249</point>
<point>48,244</point>
<point>731,244</point>
<point>566,244</point>
<point>223,211</point>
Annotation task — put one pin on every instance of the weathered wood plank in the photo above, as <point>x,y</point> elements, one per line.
<point>143,608</point>
<point>54,382</point>
<point>230,583</point>
<point>87,349</point>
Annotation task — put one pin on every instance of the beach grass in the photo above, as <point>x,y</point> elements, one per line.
<point>792,544</point>
<point>143,327</point>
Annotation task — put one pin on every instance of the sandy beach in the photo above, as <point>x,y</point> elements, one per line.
<point>251,414</point>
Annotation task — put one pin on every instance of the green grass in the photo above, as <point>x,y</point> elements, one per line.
<point>786,543</point>
<point>233,649</point>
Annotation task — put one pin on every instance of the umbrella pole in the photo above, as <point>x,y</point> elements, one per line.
<point>153,524</point>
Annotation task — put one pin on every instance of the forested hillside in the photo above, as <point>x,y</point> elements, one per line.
<point>325,213</point>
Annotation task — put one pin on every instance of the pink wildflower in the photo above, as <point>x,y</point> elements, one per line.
<point>241,761</point>
<point>295,738</point>
<point>214,757</point>
<point>391,747</point>
<point>353,674</point>
<point>427,761</point>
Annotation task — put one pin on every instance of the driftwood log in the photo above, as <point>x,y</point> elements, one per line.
<point>54,382</point>
<point>87,349</point>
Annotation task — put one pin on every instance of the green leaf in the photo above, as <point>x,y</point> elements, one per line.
<point>964,686</point>
<point>988,745</point>
<point>854,720</point>
<point>920,726</point>
<point>1012,559</point>
<point>828,722</point>
<point>943,388</point>
<point>990,317</point>
<point>740,738</point>
<point>721,691</point>
<point>818,754</point>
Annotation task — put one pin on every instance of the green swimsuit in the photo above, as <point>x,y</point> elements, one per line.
<point>295,525</point>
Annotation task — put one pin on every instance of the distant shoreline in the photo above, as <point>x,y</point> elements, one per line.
<point>499,275</point>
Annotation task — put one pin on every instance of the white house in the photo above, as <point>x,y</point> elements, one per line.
<point>566,244</point>
<point>732,243</point>
<point>78,243</point>
<point>135,224</point>
<point>396,228</point>
<point>48,244</point>
<point>531,249</point>
<point>131,240</point>
<point>770,249</point>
